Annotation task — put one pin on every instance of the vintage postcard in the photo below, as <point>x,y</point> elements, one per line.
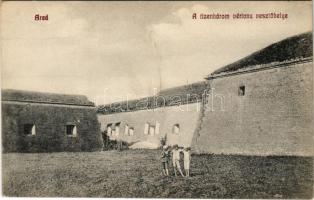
<point>141,99</point>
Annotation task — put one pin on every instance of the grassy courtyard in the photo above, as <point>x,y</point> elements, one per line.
<point>137,173</point>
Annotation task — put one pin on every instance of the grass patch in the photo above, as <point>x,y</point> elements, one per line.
<point>137,173</point>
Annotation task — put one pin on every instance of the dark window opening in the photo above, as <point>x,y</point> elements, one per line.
<point>29,129</point>
<point>109,129</point>
<point>71,130</point>
<point>241,90</point>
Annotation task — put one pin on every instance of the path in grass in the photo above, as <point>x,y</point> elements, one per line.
<point>137,173</point>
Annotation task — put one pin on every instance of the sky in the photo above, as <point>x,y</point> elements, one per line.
<point>113,51</point>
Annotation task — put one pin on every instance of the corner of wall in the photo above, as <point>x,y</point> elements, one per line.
<point>201,116</point>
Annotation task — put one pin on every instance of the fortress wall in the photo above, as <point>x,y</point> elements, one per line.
<point>274,117</point>
<point>184,115</point>
<point>50,122</point>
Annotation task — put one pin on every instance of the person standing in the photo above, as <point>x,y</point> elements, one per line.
<point>187,160</point>
<point>176,159</point>
<point>165,157</point>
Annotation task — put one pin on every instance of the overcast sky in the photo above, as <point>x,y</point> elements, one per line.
<point>107,50</point>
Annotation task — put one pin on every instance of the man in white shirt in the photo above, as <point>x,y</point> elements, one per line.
<point>176,159</point>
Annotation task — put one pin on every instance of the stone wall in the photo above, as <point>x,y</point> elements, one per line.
<point>50,122</point>
<point>186,116</point>
<point>274,117</point>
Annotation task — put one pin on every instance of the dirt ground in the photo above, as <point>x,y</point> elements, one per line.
<point>137,173</point>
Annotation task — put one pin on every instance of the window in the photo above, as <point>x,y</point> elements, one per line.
<point>126,130</point>
<point>131,131</point>
<point>71,130</point>
<point>241,91</point>
<point>176,128</point>
<point>146,128</point>
<point>109,129</point>
<point>152,130</point>
<point>29,129</point>
<point>117,128</point>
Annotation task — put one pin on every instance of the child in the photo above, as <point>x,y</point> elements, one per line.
<point>165,156</point>
<point>176,159</point>
<point>187,160</point>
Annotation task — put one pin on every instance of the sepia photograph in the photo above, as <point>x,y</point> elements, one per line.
<point>157,99</point>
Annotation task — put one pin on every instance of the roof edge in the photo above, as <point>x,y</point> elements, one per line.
<point>46,102</point>
<point>261,67</point>
<point>57,98</point>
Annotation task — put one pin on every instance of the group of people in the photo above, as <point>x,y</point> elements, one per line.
<point>173,152</point>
